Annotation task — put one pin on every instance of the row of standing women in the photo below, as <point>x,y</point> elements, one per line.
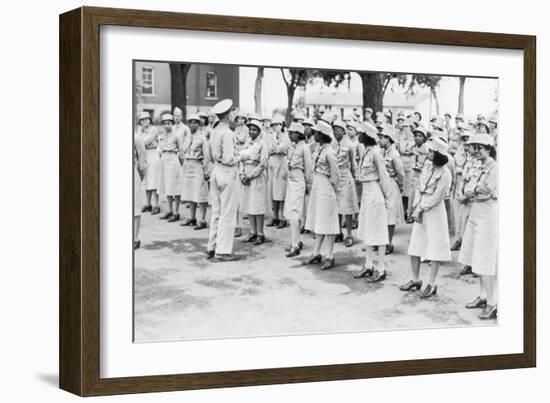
<point>318,174</point>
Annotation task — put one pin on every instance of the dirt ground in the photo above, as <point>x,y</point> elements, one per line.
<point>178,294</point>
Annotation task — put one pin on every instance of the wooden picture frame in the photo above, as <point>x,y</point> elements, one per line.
<point>79,346</point>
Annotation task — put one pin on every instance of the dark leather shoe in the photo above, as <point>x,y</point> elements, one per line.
<point>200,225</point>
<point>389,249</point>
<point>364,272</point>
<point>175,217</point>
<point>166,216</point>
<point>456,245</point>
<point>260,239</point>
<point>302,230</point>
<point>377,276</point>
<point>294,251</point>
<point>465,271</point>
<point>156,210</point>
<point>489,312</point>
<point>250,238</point>
<point>282,224</point>
<point>327,264</point>
<point>210,254</point>
<point>313,259</point>
<point>238,232</point>
<point>137,244</point>
<point>429,291</point>
<point>273,223</point>
<point>189,221</point>
<point>145,209</point>
<point>339,238</point>
<point>477,303</point>
<point>300,246</point>
<point>411,285</point>
<point>349,242</point>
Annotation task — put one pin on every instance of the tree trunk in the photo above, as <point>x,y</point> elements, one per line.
<point>290,95</point>
<point>434,93</point>
<point>372,91</point>
<point>178,86</point>
<point>462,81</point>
<point>258,90</point>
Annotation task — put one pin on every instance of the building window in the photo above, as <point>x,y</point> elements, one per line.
<point>211,85</point>
<point>147,80</point>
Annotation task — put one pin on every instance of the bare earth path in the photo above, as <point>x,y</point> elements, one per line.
<point>178,294</point>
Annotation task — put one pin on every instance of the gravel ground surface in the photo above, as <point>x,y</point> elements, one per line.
<point>178,294</point>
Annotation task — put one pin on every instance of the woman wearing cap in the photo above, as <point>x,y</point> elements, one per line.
<point>394,166</point>
<point>180,128</point>
<point>299,183</point>
<point>196,165</point>
<point>420,155</point>
<point>322,208</point>
<point>405,146</point>
<point>253,176</point>
<point>150,138</point>
<point>242,140</point>
<point>313,149</point>
<point>347,193</point>
<point>430,233</point>
<point>353,129</point>
<point>140,167</point>
<point>204,127</point>
<point>373,222</point>
<point>480,241</point>
<point>278,144</point>
<point>171,158</point>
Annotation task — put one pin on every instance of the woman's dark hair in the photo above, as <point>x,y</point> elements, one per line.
<point>492,151</point>
<point>439,159</point>
<point>324,138</point>
<point>366,140</point>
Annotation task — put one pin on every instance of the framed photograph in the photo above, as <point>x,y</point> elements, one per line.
<point>249,201</point>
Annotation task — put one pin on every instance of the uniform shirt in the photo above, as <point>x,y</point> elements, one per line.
<point>325,164</point>
<point>278,144</point>
<point>406,143</point>
<point>222,145</point>
<point>313,149</point>
<point>486,176</point>
<point>242,138</point>
<point>255,154</point>
<point>170,142</point>
<point>394,165</point>
<point>139,155</point>
<point>300,158</point>
<point>467,183</point>
<point>195,147</point>
<point>433,185</point>
<point>372,168</point>
<point>420,155</point>
<point>345,155</point>
<point>182,129</point>
<point>150,136</point>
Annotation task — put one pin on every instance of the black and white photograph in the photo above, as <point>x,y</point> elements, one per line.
<point>273,201</point>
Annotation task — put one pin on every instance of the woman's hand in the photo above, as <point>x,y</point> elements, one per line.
<point>469,194</point>
<point>483,190</point>
<point>415,216</point>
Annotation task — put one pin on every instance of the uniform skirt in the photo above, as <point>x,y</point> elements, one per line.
<point>322,207</point>
<point>152,177</point>
<point>347,194</point>
<point>295,195</point>
<point>277,177</point>
<point>408,162</point>
<point>480,241</point>
<point>430,239</point>
<point>395,207</point>
<point>463,213</point>
<point>193,185</point>
<point>373,222</point>
<point>138,192</point>
<point>253,197</point>
<point>170,174</point>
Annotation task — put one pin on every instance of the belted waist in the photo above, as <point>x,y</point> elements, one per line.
<point>169,151</point>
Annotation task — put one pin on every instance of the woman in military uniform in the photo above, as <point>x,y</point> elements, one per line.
<point>480,242</point>
<point>322,209</point>
<point>140,167</point>
<point>278,143</point>
<point>373,222</point>
<point>394,167</point>
<point>420,154</point>
<point>430,233</point>
<point>299,183</point>
<point>149,134</point>
<point>196,167</point>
